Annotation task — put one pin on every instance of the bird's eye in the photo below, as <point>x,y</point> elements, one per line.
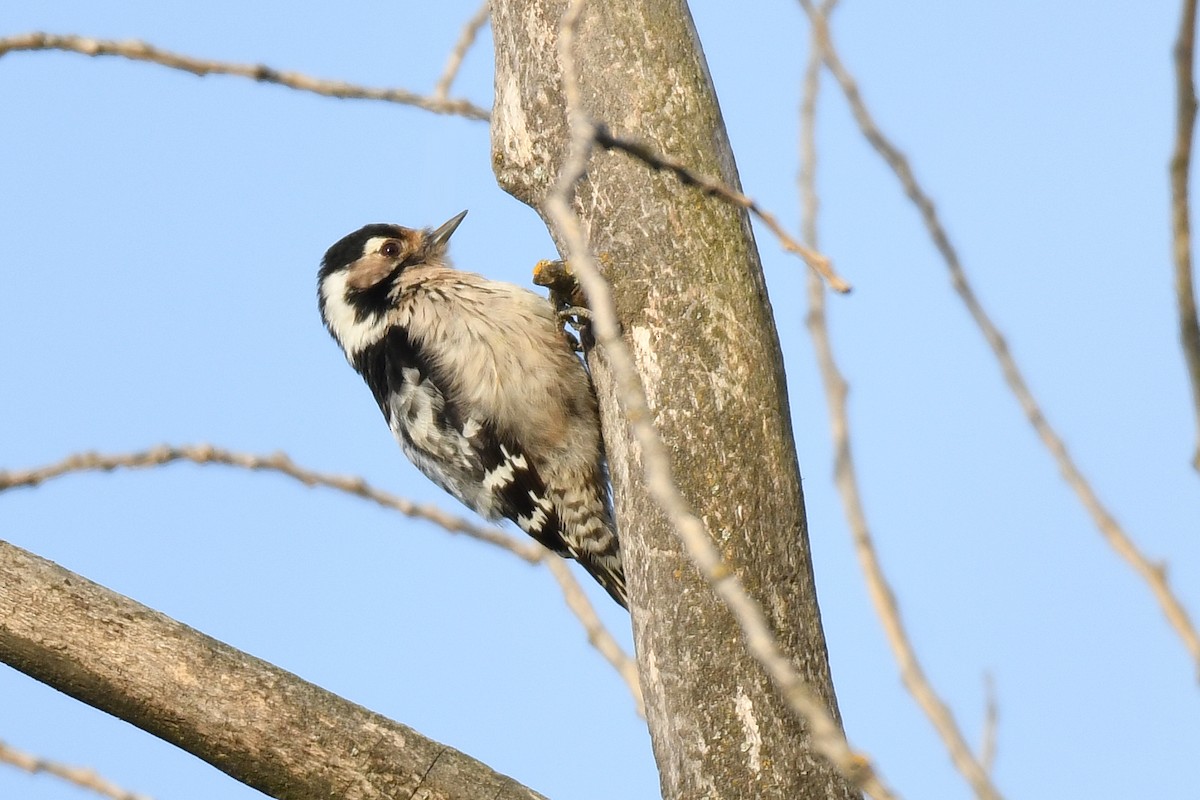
<point>390,249</point>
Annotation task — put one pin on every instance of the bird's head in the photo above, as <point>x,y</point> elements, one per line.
<point>357,275</point>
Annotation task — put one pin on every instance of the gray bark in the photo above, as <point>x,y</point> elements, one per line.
<point>690,295</point>
<point>257,723</point>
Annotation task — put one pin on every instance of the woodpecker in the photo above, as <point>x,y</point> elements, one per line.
<point>479,385</point>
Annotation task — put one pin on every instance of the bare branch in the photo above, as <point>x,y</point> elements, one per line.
<point>527,550</point>
<point>716,188</point>
<point>207,454</point>
<point>1181,226</point>
<point>845,475</point>
<point>465,39</point>
<point>257,723</point>
<point>825,733</point>
<point>598,635</point>
<point>1153,574</point>
<point>991,720</point>
<point>141,51</point>
<point>79,776</point>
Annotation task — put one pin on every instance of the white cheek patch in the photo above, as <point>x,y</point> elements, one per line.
<point>342,318</point>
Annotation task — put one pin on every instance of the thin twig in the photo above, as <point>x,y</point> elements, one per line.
<point>717,188</point>
<point>465,39</point>
<point>845,475</point>
<point>991,721</point>
<point>1153,574</point>
<point>1181,163</point>
<point>207,454</point>
<point>141,51</point>
<point>526,550</point>
<point>598,635</point>
<point>825,734</point>
<point>80,776</point>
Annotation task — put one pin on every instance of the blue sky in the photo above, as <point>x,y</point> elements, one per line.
<point>159,241</point>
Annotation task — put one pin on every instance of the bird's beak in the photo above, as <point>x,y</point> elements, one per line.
<point>442,235</point>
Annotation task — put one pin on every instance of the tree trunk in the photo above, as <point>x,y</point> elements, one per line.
<point>690,295</point>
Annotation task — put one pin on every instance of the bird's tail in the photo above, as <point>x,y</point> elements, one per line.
<point>591,539</point>
<point>608,571</point>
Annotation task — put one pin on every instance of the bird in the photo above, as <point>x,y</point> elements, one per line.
<point>480,386</point>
